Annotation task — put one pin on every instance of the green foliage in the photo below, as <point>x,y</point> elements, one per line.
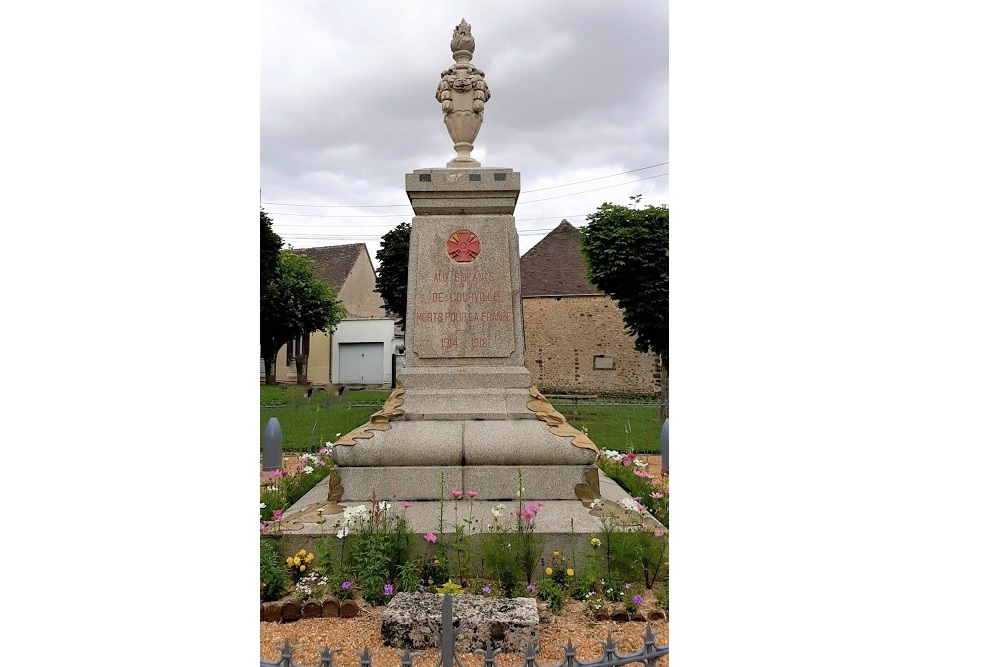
<point>372,561</point>
<point>500,559</point>
<point>663,595</point>
<point>295,303</point>
<point>628,253</point>
<point>391,277</point>
<point>273,579</point>
<point>380,546</point>
<point>433,571</point>
<point>409,577</point>
<point>270,249</point>
<point>451,587</point>
<point>552,592</point>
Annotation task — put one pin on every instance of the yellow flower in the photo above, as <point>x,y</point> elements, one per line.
<point>309,558</point>
<point>596,542</point>
<point>302,568</point>
<point>555,553</point>
<point>548,571</point>
<point>297,560</point>
<point>302,552</point>
<point>289,560</point>
<point>569,572</point>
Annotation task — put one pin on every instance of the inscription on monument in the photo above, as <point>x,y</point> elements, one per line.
<point>464,297</point>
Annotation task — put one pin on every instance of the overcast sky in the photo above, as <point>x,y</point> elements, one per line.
<point>578,92</point>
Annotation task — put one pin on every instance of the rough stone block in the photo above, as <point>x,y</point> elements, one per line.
<point>414,620</point>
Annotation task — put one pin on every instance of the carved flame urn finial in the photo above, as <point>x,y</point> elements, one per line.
<point>463,94</point>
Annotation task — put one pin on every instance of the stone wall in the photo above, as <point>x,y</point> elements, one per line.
<point>563,335</point>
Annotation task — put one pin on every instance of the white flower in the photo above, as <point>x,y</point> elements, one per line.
<point>307,469</point>
<point>497,509</point>
<point>342,533</point>
<point>384,506</point>
<point>263,505</point>
<point>329,444</point>
<point>629,504</point>
<point>597,504</point>
<point>639,463</point>
<point>272,488</point>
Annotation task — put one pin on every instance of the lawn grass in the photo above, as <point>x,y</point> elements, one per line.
<point>308,423</point>
<point>621,426</point>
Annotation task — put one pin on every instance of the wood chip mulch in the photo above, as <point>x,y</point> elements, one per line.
<point>353,634</point>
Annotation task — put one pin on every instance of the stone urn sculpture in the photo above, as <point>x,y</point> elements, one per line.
<point>463,94</point>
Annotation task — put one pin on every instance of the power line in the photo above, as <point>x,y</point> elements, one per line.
<point>551,187</point>
<point>532,201</point>
<point>594,189</point>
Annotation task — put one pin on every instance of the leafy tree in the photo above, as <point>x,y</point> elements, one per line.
<point>628,253</point>
<point>270,248</point>
<point>391,277</point>
<point>294,304</point>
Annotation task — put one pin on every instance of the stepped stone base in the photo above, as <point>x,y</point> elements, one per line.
<point>490,482</point>
<point>479,439</point>
<point>413,620</point>
<point>562,525</point>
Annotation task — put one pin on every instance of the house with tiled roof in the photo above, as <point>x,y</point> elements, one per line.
<point>575,340</point>
<point>360,349</point>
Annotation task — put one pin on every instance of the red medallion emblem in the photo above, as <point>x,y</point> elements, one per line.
<point>463,246</point>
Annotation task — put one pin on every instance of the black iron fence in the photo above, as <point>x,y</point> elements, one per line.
<point>647,656</point>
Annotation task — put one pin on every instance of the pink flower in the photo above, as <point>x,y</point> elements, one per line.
<point>528,516</point>
<point>658,532</point>
<point>656,494</point>
<point>323,450</point>
<point>472,494</point>
<point>640,473</point>
<point>456,494</point>
<point>430,537</point>
<point>406,503</point>
<point>627,462</point>
<point>277,514</point>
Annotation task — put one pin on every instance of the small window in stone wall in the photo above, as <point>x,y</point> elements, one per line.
<point>603,363</point>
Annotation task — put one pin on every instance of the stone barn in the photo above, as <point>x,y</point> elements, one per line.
<point>575,340</point>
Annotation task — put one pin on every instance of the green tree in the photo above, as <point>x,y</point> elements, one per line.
<point>270,248</point>
<point>294,304</point>
<point>390,279</point>
<point>628,253</point>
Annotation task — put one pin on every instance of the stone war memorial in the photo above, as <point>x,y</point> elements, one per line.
<point>464,415</point>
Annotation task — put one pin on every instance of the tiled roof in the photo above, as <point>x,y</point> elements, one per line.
<point>333,263</point>
<point>555,266</point>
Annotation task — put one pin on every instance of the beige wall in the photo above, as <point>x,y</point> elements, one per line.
<point>358,293</point>
<point>319,361</point>
<point>562,336</point>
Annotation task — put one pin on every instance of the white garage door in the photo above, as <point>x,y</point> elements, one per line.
<point>361,363</point>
